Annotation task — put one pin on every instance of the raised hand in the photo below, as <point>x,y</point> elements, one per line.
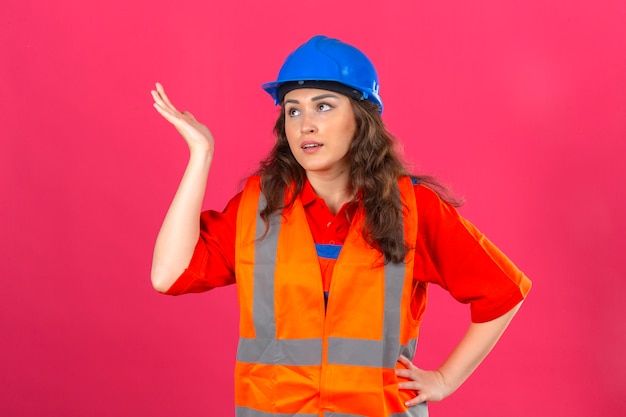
<point>181,227</point>
<point>197,135</point>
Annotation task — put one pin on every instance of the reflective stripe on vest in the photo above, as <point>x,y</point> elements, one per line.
<point>265,348</point>
<point>420,410</point>
<point>289,346</point>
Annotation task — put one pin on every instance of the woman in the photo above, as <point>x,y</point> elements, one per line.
<point>332,245</point>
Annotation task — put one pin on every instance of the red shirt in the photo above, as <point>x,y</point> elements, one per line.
<point>450,252</point>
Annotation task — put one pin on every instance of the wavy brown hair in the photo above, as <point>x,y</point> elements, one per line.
<point>375,169</point>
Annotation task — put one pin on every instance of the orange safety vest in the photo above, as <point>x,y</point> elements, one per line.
<point>296,357</point>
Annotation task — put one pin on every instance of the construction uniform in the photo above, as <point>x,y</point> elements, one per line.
<point>315,346</point>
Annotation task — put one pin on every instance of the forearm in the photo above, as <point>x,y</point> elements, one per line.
<point>180,230</point>
<point>436,385</point>
<point>477,342</point>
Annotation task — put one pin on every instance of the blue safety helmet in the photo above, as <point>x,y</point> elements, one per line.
<point>322,62</point>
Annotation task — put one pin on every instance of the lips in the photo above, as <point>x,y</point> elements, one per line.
<point>310,145</point>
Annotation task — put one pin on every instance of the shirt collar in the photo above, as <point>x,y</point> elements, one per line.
<point>307,195</point>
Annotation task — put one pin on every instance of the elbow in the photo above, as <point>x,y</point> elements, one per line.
<point>161,279</point>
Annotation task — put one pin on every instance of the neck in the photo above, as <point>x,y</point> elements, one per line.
<point>335,190</point>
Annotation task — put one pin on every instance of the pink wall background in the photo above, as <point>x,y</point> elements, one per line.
<point>521,106</point>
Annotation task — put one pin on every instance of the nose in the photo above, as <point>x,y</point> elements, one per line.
<point>308,125</point>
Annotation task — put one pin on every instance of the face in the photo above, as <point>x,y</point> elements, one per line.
<point>319,125</point>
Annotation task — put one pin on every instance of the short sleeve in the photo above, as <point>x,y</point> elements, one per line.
<point>213,260</point>
<point>454,254</point>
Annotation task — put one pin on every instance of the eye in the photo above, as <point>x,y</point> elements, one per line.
<point>324,107</point>
<point>293,112</point>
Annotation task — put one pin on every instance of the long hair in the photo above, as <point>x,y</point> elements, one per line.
<point>375,169</point>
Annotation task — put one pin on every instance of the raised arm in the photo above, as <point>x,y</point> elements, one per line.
<point>179,233</point>
<point>435,385</point>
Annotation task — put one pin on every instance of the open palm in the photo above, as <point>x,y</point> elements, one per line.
<point>195,133</point>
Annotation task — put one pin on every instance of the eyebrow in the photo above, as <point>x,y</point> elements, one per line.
<point>316,98</point>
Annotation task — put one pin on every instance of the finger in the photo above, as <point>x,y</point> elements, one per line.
<point>167,114</point>
<point>164,112</point>
<point>417,400</point>
<point>159,100</point>
<point>405,373</point>
<point>406,362</point>
<point>160,105</point>
<point>409,385</point>
<point>166,99</point>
